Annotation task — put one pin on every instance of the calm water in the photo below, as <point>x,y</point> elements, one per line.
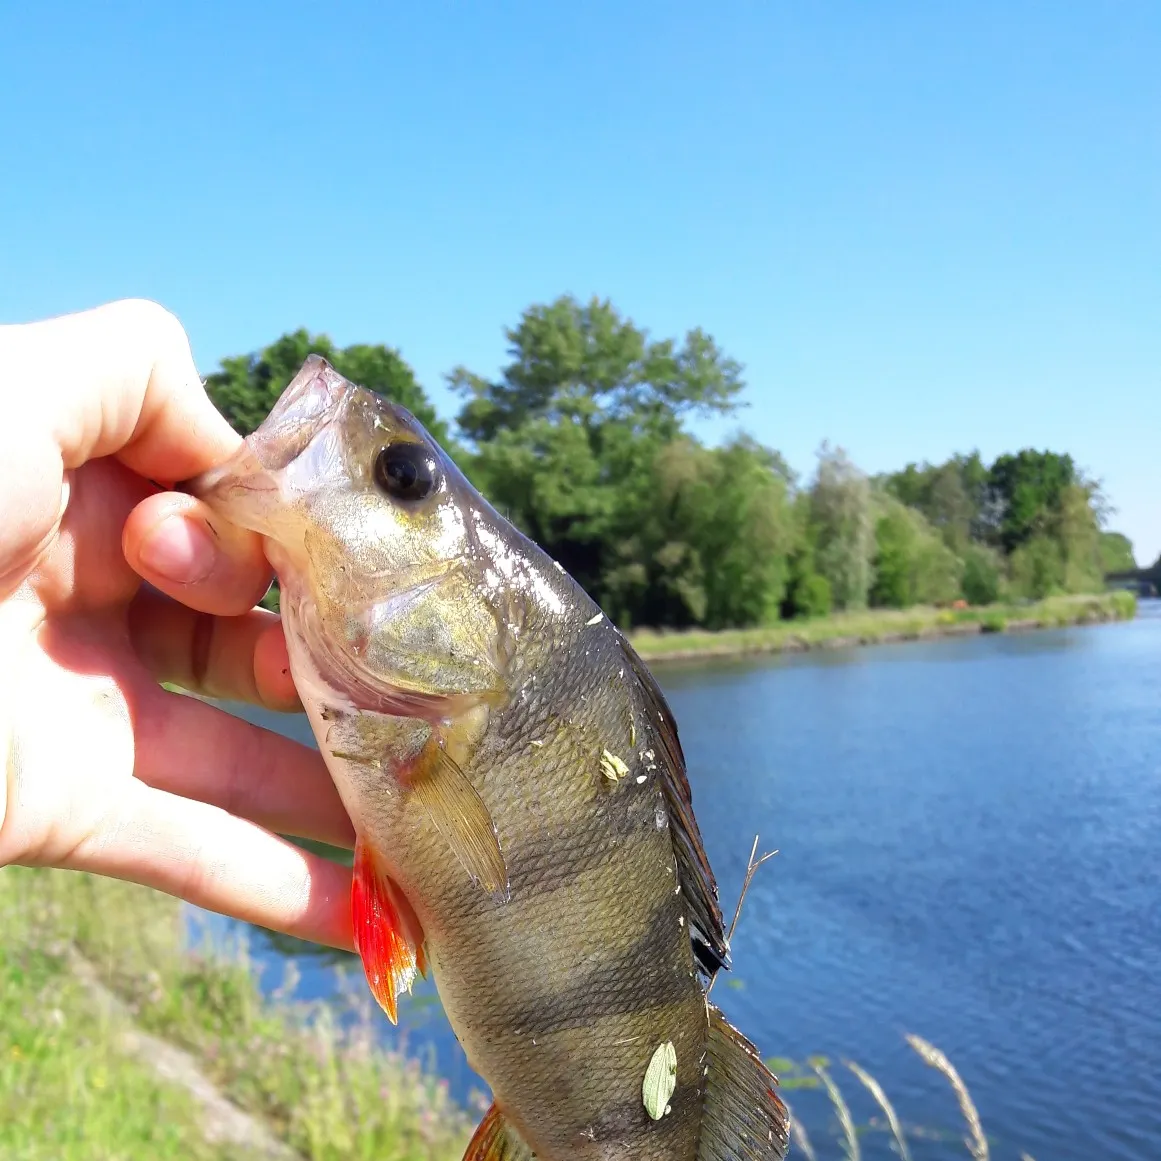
<point>969,833</point>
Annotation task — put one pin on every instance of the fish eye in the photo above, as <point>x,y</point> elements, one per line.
<point>406,471</point>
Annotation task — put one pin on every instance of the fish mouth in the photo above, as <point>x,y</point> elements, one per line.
<point>246,488</point>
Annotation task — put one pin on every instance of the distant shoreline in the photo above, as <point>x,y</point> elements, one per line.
<point>883,627</point>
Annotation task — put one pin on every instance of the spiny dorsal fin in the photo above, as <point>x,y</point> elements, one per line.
<point>496,1140</point>
<point>742,1118</point>
<point>693,869</point>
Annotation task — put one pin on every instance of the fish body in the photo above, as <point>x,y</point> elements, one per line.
<point>514,776</point>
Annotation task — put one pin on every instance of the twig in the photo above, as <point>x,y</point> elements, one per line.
<point>752,866</point>
<point>876,1090</point>
<point>977,1143</point>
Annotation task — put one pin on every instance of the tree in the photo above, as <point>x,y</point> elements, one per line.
<point>1077,531</point>
<point>894,547</point>
<point>248,386</point>
<point>912,563</point>
<point>586,364</point>
<point>952,496</point>
<point>1117,552</point>
<point>843,530</point>
<point>983,575</point>
<point>566,443</point>
<point>723,531</point>
<point>1036,568</point>
<point>1027,492</point>
<point>807,591</point>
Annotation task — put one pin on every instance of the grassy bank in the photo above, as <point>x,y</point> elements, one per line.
<point>879,626</point>
<point>70,1092</point>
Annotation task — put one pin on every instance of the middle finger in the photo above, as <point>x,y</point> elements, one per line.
<point>190,747</point>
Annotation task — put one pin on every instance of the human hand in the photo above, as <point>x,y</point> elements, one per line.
<point>106,771</point>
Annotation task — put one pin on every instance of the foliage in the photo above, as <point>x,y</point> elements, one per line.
<point>1116,552</point>
<point>952,496</point>
<point>809,595</point>
<point>843,533</point>
<point>1037,568</point>
<point>715,533</point>
<point>587,365</point>
<point>580,442</point>
<point>583,440</point>
<point>1026,492</point>
<point>983,575</point>
<point>913,564</point>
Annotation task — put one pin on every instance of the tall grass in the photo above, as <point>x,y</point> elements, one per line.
<point>313,1075</point>
<point>322,1085</point>
<point>849,1132</point>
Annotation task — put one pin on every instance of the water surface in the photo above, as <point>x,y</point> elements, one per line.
<point>969,833</point>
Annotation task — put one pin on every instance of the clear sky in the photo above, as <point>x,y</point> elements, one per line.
<point>921,227</point>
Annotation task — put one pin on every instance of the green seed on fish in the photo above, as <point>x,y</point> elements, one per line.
<point>612,767</point>
<point>660,1080</point>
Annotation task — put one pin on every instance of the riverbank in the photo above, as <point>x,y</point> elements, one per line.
<point>119,1041</point>
<point>884,626</point>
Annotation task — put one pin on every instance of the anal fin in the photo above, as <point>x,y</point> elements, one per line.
<point>742,1118</point>
<point>387,933</point>
<point>496,1140</point>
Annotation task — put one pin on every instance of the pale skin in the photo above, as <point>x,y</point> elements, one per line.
<point>105,771</point>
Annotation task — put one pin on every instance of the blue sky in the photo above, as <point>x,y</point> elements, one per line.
<point>922,227</point>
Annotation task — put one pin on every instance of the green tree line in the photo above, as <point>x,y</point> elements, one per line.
<point>583,441</point>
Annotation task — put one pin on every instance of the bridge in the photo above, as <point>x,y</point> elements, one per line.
<point>1145,582</point>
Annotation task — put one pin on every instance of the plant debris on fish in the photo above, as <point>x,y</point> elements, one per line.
<point>525,827</point>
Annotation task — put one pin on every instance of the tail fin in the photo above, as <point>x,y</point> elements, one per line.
<point>742,1119</point>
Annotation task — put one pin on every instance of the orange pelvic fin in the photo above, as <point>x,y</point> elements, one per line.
<point>496,1140</point>
<point>387,933</point>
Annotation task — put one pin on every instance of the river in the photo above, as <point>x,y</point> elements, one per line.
<point>969,834</point>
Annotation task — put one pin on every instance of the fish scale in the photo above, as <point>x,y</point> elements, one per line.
<point>525,826</point>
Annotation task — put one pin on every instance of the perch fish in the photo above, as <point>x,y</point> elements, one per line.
<point>525,826</point>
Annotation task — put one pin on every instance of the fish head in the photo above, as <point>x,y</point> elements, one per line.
<point>398,576</point>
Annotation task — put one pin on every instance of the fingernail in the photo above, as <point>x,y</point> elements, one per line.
<point>179,550</point>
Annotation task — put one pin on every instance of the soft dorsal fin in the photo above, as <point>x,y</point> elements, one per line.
<point>496,1140</point>
<point>694,873</point>
<point>742,1118</point>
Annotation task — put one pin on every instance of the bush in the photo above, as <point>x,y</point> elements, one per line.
<point>1037,569</point>
<point>982,576</point>
<point>810,596</point>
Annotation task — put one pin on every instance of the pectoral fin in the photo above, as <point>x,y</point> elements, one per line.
<point>460,815</point>
<point>496,1140</point>
<point>387,933</point>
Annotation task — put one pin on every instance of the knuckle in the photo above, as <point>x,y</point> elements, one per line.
<point>160,327</point>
